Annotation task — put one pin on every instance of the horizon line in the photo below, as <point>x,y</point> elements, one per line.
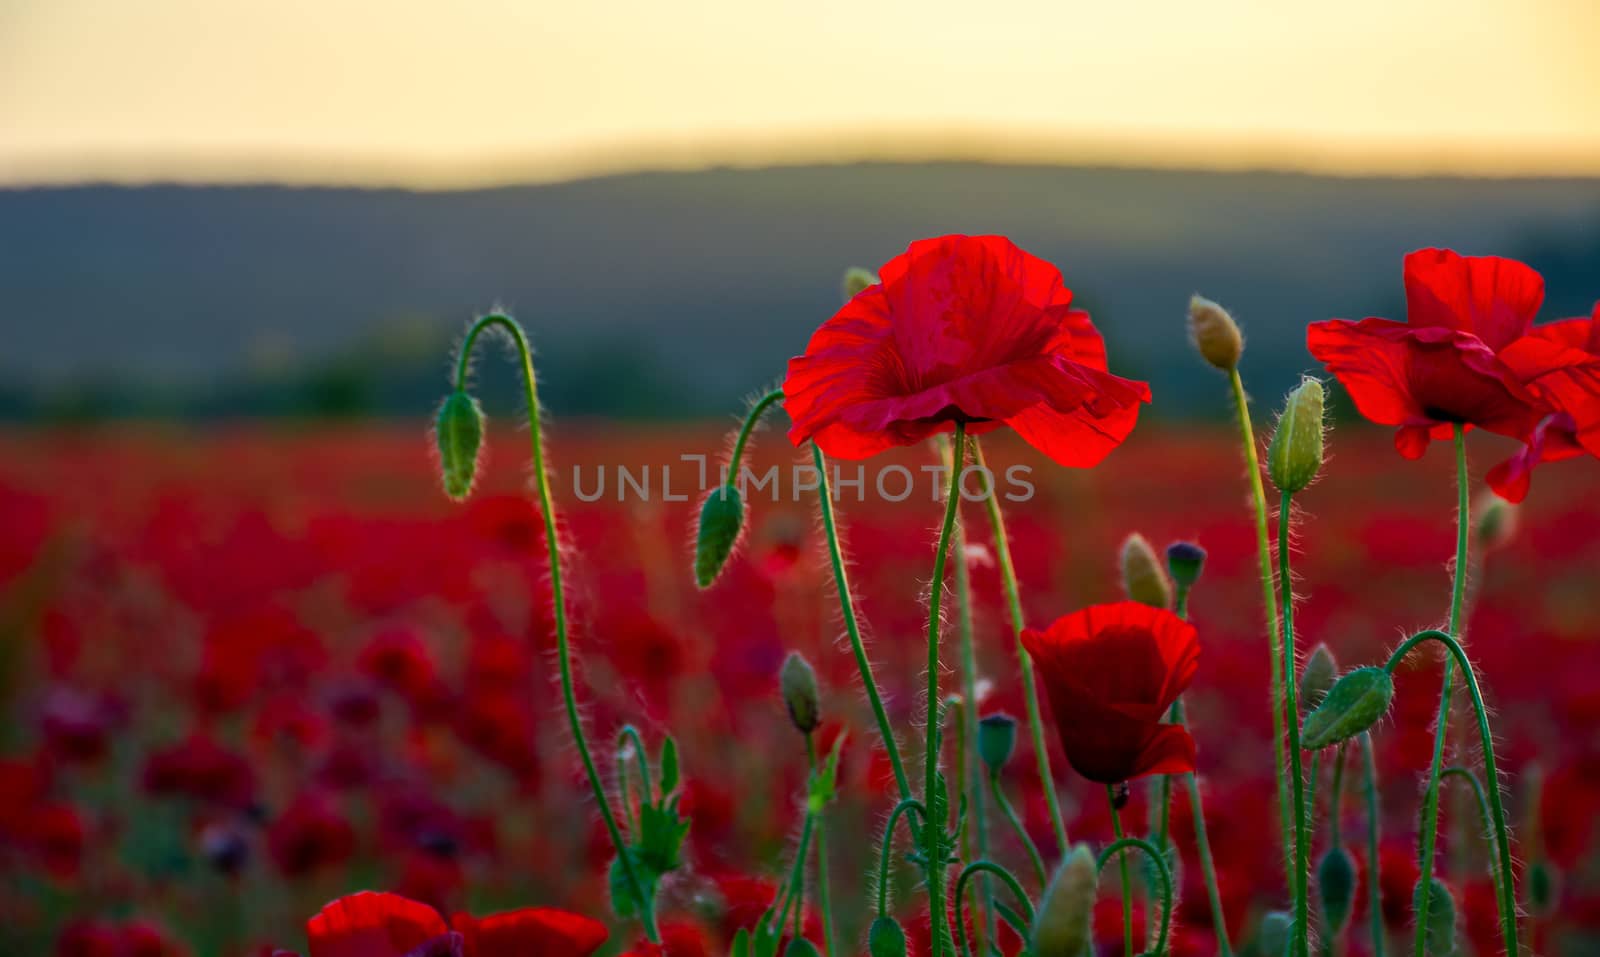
<point>1335,157</point>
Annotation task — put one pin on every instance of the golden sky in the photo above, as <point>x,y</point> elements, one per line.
<point>445,92</point>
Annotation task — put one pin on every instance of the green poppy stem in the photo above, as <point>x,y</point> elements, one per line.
<point>1010,813</point>
<point>1122,861</point>
<point>1030,685</point>
<point>933,824</point>
<point>1118,848</point>
<point>553,549</point>
<point>1374,824</point>
<point>887,847</point>
<point>1302,836</point>
<point>824,896</point>
<point>985,867</point>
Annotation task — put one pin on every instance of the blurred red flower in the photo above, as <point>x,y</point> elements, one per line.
<point>372,924</point>
<point>531,930</point>
<point>1111,672</point>
<point>961,329</point>
<point>1560,364</point>
<point>1442,366</point>
<point>310,836</point>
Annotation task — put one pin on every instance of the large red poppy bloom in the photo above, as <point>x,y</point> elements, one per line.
<point>1443,366</point>
<point>1111,673</point>
<point>961,329</point>
<point>388,925</point>
<point>1560,364</point>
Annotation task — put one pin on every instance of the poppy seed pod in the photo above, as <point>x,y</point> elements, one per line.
<point>798,683</point>
<point>886,939</point>
<point>1215,334</point>
<point>1316,678</point>
<point>1336,881</point>
<point>1061,926</point>
<point>458,430</point>
<point>997,738</point>
<point>1185,561</point>
<point>1295,456</point>
<point>1352,705</point>
<point>1143,579</point>
<point>857,279</point>
<point>721,525</point>
<point>1441,930</point>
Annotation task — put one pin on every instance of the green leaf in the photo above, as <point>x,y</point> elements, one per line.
<point>623,902</point>
<point>669,767</point>
<point>661,834</point>
<point>823,785</point>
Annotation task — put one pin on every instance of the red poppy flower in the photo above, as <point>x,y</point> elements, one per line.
<point>531,930</point>
<point>1111,672</point>
<point>310,836</point>
<point>961,329</point>
<point>371,924</point>
<point>1442,366</point>
<point>1560,364</point>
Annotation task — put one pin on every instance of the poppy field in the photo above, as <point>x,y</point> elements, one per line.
<point>792,683</point>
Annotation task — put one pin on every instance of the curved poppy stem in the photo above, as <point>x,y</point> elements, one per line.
<point>1374,823</point>
<point>1004,804</point>
<point>1030,686</point>
<point>1430,796</point>
<point>1507,894</point>
<point>797,876</point>
<point>751,419</point>
<point>1006,877</point>
<point>1119,847</point>
<point>847,610</point>
<point>1485,817</point>
<point>933,824</point>
<point>1302,837</point>
<point>553,548</point>
<point>824,895</point>
<point>631,734</point>
<point>1127,887</point>
<point>906,804</point>
<point>1269,602</point>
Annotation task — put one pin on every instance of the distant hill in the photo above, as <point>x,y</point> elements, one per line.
<point>675,293</point>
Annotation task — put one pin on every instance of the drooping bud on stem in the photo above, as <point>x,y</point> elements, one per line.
<point>1440,933</point>
<point>1351,706</point>
<point>1336,880</point>
<point>886,939</point>
<point>1142,576</point>
<point>1215,333</point>
<point>1295,456</point>
<point>1316,678</point>
<point>798,683</point>
<point>1185,561</point>
<point>721,525</point>
<point>857,279</point>
<point>1061,923</point>
<point>458,429</point>
<point>997,738</point>
<point>1272,937</point>
<point>1495,522</point>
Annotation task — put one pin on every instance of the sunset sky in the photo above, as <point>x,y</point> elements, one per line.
<point>445,93</point>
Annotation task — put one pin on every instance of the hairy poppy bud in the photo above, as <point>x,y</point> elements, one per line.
<point>886,939</point>
<point>799,685</point>
<point>1541,888</point>
<point>1336,880</point>
<point>1215,333</point>
<point>1142,577</point>
<point>1352,705</point>
<point>1316,678</point>
<point>1185,561</point>
<point>1295,456</point>
<point>459,433</point>
<point>1272,937</point>
<point>1440,933</point>
<point>857,279</point>
<point>721,524</point>
<point>1061,925</point>
<point>1496,522</point>
<point>997,738</point>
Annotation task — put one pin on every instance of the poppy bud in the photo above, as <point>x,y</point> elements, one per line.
<point>1336,880</point>
<point>886,939</point>
<point>721,524</point>
<point>1061,926</point>
<point>799,685</point>
<point>1142,577</point>
<point>800,947</point>
<point>1185,560</point>
<point>225,849</point>
<point>459,433</point>
<point>1352,705</point>
<point>1316,678</point>
<point>997,738</point>
<point>1273,936</point>
<point>1295,456</point>
<point>1496,522</point>
<point>1215,333</point>
<point>1541,888</point>
<point>857,279</point>
<point>1440,933</point>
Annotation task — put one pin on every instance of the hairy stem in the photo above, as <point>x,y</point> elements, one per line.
<point>824,896</point>
<point>985,867</point>
<point>1302,837</point>
<point>933,825</point>
<point>1122,861</point>
<point>1374,824</point>
<point>1001,802</point>
<point>1118,848</point>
